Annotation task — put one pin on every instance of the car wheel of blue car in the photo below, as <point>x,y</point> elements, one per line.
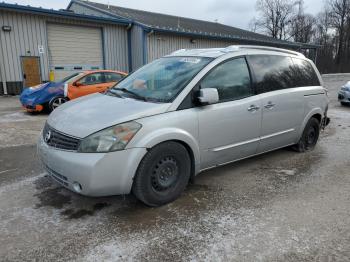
<point>56,102</point>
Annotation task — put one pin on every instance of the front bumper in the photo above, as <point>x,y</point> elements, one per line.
<point>36,108</point>
<point>30,105</point>
<point>344,96</point>
<point>99,174</point>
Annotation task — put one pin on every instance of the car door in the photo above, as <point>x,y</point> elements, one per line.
<point>90,83</point>
<point>229,130</point>
<point>282,102</point>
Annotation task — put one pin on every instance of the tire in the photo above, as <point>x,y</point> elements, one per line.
<point>163,174</point>
<point>344,104</point>
<point>56,102</point>
<point>309,137</point>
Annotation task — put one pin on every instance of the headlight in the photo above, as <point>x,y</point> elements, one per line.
<point>35,87</point>
<point>110,139</point>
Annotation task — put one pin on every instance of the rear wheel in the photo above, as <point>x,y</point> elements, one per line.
<point>162,174</point>
<point>343,103</point>
<point>56,102</point>
<point>309,137</point>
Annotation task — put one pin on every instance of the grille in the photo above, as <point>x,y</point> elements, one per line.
<point>59,140</point>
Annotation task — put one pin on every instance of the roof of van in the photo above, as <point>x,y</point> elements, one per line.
<point>216,52</point>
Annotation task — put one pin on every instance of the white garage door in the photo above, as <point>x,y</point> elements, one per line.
<point>74,48</point>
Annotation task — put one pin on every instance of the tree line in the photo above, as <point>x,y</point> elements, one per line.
<point>287,20</point>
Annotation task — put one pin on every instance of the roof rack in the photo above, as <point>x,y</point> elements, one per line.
<point>267,48</point>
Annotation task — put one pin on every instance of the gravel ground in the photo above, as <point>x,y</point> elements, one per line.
<point>281,206</point>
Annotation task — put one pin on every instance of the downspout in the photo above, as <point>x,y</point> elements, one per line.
<point>128,28</point>
<point>2,73</point>
<point>145,51</point>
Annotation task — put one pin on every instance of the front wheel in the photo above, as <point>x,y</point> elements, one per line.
<point>162,174</point>
<point>309,137</point>
<point>56,102</point>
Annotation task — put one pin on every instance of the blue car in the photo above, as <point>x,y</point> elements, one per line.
<point>344,94</point>
<point>45,96</point>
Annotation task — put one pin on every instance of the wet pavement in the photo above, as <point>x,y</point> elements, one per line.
<point>281,206</point>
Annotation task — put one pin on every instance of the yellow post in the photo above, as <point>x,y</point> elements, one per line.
<point>52,76</point>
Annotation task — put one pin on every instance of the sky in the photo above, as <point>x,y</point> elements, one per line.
<point>230,12</point>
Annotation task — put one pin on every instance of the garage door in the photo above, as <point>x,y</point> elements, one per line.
<point>74,48</point>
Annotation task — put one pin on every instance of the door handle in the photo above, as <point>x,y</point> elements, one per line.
<point>269,105</point>
<point>253,108</point>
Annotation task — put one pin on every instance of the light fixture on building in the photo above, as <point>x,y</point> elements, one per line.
<point>193,41</point>
<point>6,28</point>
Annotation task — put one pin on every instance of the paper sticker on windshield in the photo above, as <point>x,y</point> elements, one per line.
<point>192,60</point>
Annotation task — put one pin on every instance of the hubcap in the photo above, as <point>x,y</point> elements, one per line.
<point>57,102</point>
<point>165,174</point>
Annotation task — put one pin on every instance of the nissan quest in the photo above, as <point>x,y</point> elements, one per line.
<point>192,110</point>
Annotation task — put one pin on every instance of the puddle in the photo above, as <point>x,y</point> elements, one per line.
<point>52,197</point>
<point>76,214</point>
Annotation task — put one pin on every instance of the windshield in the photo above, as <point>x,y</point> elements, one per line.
<point>162,80</point>
<point>70,77</point>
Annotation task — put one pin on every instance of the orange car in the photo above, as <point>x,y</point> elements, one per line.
<point>89,82</point>
<point>52,94</point>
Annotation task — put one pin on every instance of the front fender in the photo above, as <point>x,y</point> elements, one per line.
<point>158,136</point>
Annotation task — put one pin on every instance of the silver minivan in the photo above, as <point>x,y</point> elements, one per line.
<point>182,114</point>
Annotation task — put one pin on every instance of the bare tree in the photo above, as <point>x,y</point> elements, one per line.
<point>283,19</point>
<point>302,27</point>
<point>274,17</point>
<point>339,16</point>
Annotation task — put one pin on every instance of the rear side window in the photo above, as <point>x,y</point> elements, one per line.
<point>231,79</point>
<point>280,72</point>
<point>304,73</point>
<point>272,72</point>
<point>92,79</point>
<point>112,77</point>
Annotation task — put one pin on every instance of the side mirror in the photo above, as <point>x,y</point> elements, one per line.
<point>208,96</point>
<point>77,84</point>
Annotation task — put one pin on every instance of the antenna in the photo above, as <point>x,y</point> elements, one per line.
<point>108,4</point>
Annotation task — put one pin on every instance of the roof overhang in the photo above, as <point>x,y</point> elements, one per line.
<point>62,14</point>
<point>244,40</point>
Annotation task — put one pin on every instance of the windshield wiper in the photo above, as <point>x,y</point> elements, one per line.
<point>109,91</point>
<point>136,95</point>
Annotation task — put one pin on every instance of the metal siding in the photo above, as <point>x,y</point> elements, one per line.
<point>116,47</point>
<point>23,40</point>
<point>137,47</point>
<point>163,44</point>
<point>29,30</point>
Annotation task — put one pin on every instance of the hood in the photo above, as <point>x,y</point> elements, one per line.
<point>89,114</point>
<point>41,93</point>
<point>50,88</point>
<point>34,89</point>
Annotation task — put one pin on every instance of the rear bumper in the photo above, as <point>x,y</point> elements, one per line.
<point>99,174</point>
